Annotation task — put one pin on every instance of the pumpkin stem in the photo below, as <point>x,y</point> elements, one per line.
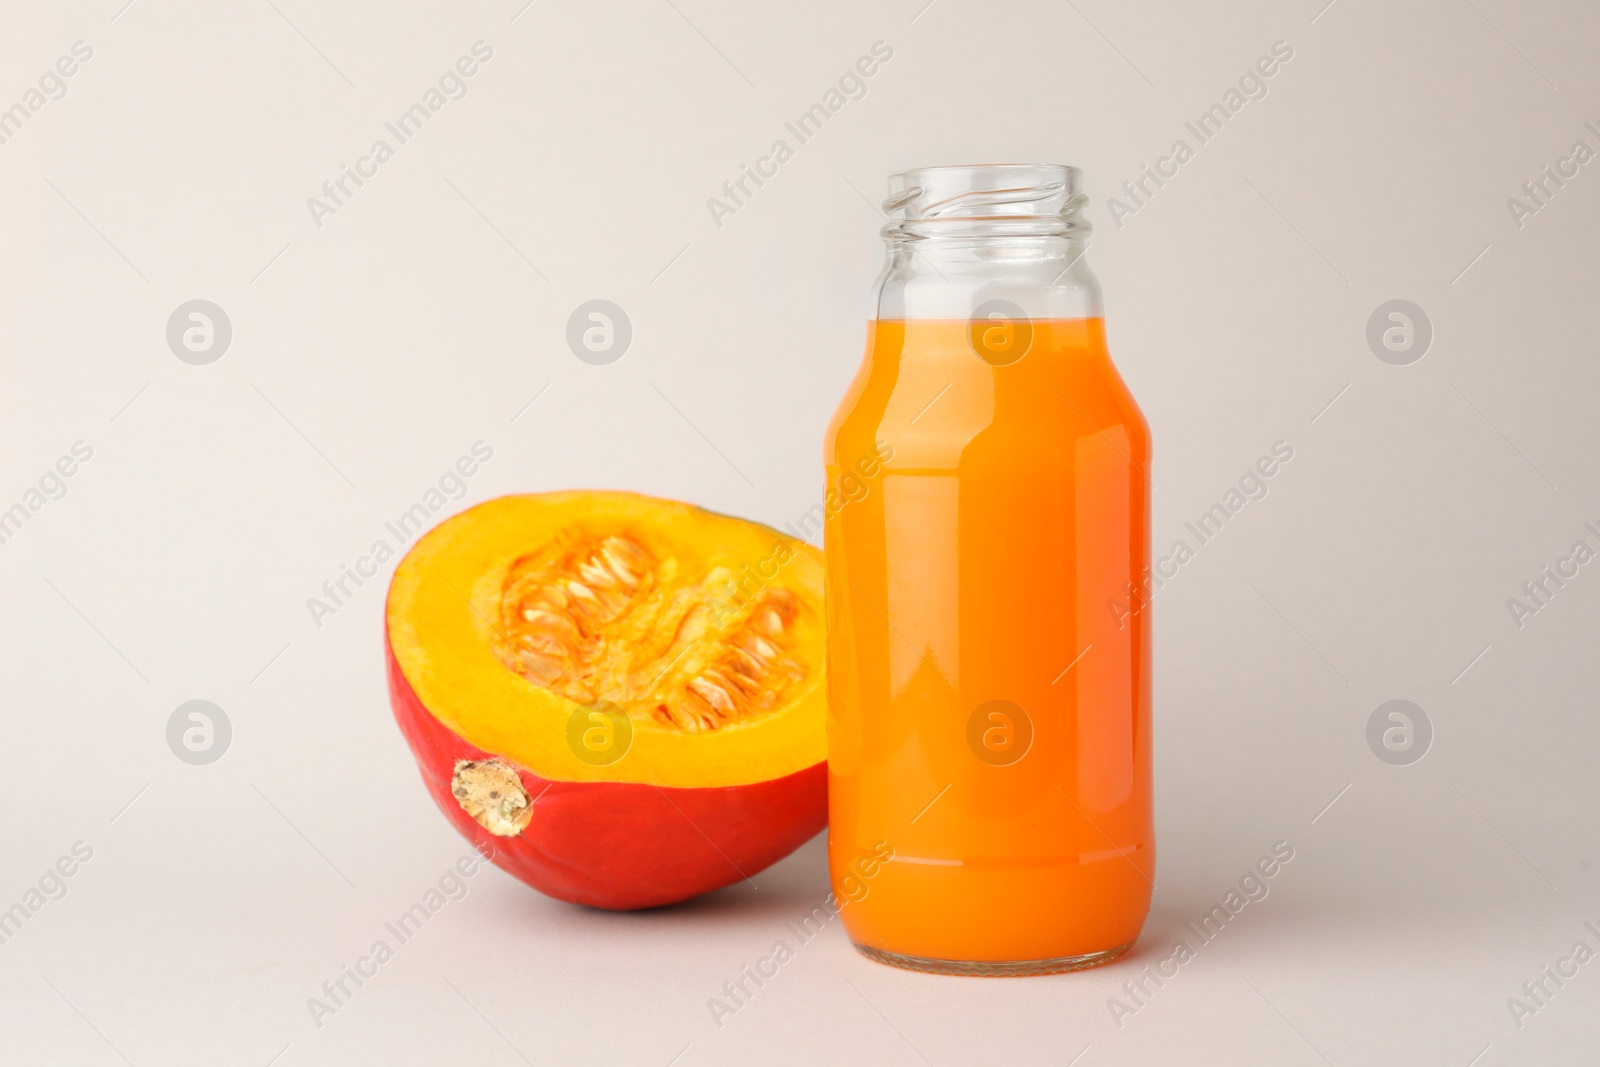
<point>491,792</point>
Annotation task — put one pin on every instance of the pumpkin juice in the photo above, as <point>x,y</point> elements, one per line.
<point>989,699</point>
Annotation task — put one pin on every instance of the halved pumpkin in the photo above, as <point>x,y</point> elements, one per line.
<point>620,697</point>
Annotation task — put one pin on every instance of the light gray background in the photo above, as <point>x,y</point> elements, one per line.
<point>371,352</point>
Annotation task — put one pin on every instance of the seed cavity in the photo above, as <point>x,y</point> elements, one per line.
<point>553,623</point>
<point>603,619</point>
<point>746,673</point>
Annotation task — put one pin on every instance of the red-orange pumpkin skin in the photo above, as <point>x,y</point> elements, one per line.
<point>621,845</point>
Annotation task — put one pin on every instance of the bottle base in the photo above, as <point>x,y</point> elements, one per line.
<point>993,968</point>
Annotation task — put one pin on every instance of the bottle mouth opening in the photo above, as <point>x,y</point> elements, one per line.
<point>986,200</point>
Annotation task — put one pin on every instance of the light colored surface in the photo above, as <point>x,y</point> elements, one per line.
<point>370,353</point>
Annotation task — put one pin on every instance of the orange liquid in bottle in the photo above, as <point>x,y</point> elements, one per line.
<point>988,671</point>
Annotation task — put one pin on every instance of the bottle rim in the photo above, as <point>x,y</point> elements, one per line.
<point>986,200</point>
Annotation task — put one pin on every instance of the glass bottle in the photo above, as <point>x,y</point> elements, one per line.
<point>988,636</point>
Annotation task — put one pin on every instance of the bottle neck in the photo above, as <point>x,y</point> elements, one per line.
<point>963,241</point>
<point>955,276</point>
